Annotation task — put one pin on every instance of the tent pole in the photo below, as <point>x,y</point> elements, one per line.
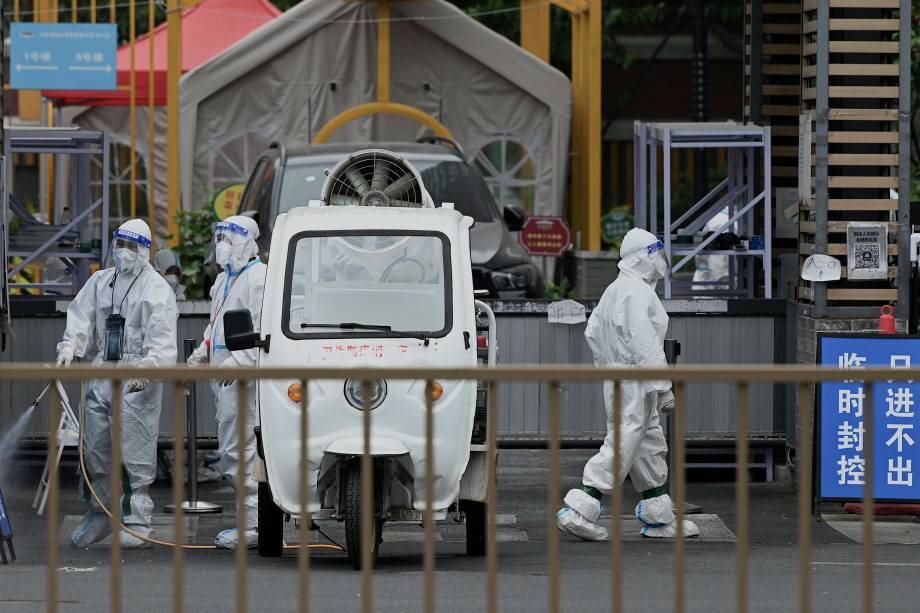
<point>174,71</point>
<point>593,50</point>
<point>383,51</point>
<point>151,122</point>
<point>132,106</point>
<point>585,157</point>
<point>535,28</point>
<point>50,163</point>
<point>377,108</point>
<point>575,158</point>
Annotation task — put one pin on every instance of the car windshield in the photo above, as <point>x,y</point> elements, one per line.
<point>368,284</point>
<point>447,180</point>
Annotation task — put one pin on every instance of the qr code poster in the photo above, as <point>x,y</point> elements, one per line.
<point>867,250</point>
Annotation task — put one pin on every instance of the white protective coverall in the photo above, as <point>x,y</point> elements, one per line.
<point>166,262</point>
<point>239,286</point>
<point>711,268</point>
<point>135,291</point>
<point>628,328</point>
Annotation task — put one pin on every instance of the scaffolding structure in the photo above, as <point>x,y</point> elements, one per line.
<point>856,98</point>
<point>744,194</point>
<point>75,238</point>
<point>773,80</point>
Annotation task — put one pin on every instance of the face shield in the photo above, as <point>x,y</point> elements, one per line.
<point>121,243</point>
<point>234,245</point>
<point>223,236</point>
<point>658,247</point>
<point>659,259</point>
<point>129,251</point>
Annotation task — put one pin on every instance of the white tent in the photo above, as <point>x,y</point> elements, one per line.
<point>509,110</point>
<point>108,111</point>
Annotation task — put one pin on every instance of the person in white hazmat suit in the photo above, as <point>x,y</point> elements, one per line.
<point>239,286</point>
<point>711,270</point>
<point>628,328</point>
<point>166,262</point>
<point>125,315</point>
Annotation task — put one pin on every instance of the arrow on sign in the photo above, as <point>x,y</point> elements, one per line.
<point>20,67</point>
<point>106,68</point>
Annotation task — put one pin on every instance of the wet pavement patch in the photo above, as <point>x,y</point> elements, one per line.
<point>712,528</point>
<point>890,531</point>
<point>162,528</point>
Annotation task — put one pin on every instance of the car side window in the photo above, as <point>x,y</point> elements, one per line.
<point>258,199</point>
<point>263,204</point>
<point>254,186</point>
<point>263,195</point>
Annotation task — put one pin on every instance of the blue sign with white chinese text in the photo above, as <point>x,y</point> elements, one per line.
<point>63,56</point>
<point>842,413</point>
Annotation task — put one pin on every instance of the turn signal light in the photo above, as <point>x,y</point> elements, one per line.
<point>437,390</point>
<point>295,392</point>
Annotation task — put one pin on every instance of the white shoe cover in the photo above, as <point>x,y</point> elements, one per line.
<point>94,528</point>
<point>655,512</point>
<point>208,474</point>
<point>129,541</point>
<point>670,530</point>
<point>587,505</point>
<point>229,539</point>
<point>572,522</point>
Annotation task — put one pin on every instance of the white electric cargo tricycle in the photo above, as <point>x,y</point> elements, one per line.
<point>373,275</point>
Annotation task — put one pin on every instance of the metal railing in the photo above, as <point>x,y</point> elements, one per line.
<point>742,376</point>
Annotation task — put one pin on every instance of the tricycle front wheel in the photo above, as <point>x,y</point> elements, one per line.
<point>352,494</point>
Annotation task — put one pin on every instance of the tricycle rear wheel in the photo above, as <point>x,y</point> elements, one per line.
<point>475,517</point>
<point>271,519</point>
<point>352,494</point>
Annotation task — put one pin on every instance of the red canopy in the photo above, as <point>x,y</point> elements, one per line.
<point>207,29</point>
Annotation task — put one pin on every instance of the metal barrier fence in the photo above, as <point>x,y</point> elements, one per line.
<point>741,376</point>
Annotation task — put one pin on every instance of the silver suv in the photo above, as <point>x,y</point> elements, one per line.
<point>283,179</point>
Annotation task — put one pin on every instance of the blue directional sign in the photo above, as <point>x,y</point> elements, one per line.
<point>63,56</point>
<point>841,425</point>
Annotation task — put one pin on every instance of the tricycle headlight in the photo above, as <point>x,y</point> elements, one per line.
<point>354,393</point>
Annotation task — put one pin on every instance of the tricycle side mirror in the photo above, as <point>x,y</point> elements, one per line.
<point>238,333</point>
<point>514,218</point>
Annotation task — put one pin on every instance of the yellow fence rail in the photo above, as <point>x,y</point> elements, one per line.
<point>742,376</point>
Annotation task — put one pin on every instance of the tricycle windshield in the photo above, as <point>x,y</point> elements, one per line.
<point>368,283</point>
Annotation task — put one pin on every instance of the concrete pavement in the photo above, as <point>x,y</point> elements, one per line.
<point>648,578</point>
